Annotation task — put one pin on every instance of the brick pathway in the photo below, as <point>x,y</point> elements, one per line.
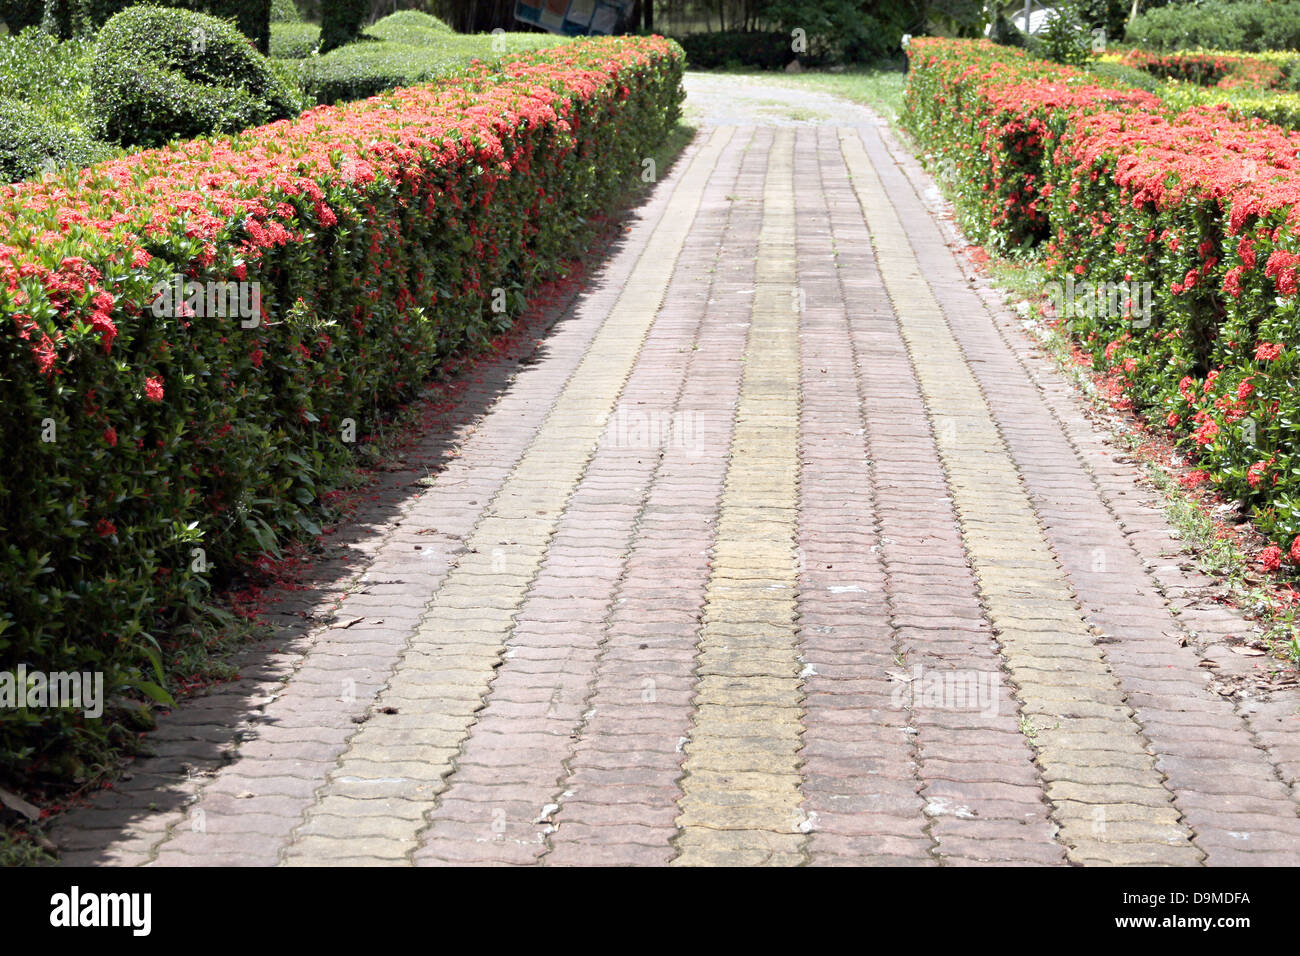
<point>786,546</point>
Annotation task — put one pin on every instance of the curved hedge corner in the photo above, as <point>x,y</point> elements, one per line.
<point>157,430</point>
<point>1173,237</point>
<point>160,74</point>
<point>31,144</point>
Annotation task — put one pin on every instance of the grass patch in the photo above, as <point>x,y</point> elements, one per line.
<point>878,87</point>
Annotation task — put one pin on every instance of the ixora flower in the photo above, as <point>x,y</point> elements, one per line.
<point>1266,352</point>
<point>361,210</point>
<point>1270,559</point>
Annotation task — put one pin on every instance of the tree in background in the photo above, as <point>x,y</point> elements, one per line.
<point>66,18</point>
<point>342,22</point>
<point>20,14</point>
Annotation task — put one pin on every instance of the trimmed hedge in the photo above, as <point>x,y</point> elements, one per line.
<point>165,73</point>
<point>67,18</point>
<point>410,26</point>
<point>991,144</point>
<point>1225,71</point>
<point>31,145</point>
<point>1201,206</point>
<point>294,41</point>
<point>367,68</point>
<point>1217,25</point>
<point>375,234</point>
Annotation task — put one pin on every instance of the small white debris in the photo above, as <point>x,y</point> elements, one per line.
<point>544,816</point>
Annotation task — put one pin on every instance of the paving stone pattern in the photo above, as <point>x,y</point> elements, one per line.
<point>785,545</point>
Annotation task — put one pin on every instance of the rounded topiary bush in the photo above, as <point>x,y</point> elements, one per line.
<point>285,11</point>
<point>31,144</point>
<point>161,73</point>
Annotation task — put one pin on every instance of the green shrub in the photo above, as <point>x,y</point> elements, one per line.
<point>31,144</point>
<point>293,41</point>
<point>410,26</point>
<point>1128,75</point>
<point>373,251</point>
<point>67,18</point>
<point>363,69</point>
<point>50,75</point>
<point>1065,38</point>
<point>161,74</point>
<point>1219,25</point>
<point>341,22</point>
<point>285,11</point>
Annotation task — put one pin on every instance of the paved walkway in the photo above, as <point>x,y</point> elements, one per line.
<point>786,546</point>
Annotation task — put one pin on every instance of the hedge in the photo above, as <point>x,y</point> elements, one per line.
<point>1241,25</point>
<point>363,69</point>
<point>67,18</point>
<point>163,73</point>
<point>1223,70</point>
<point>365,241</point>
<point>31,144</point>
<point>1199,204</point>
<point>990,136</point>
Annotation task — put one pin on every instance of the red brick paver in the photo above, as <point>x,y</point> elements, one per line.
<point>787,546</point>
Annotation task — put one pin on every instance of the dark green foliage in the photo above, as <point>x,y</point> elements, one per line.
<point>1006,33</point>
<point>1219,25</point>
<point>363,69</point>
<point>341,22</point>
<point>31,144</point>
<point>733,49</point>
<point>160,74</point>
<point>66,18</point>
<point>1127,75</point>
<point>18,15</point>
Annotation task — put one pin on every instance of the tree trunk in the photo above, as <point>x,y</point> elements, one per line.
<point>648,15</point>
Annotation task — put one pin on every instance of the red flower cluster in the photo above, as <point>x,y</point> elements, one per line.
<point>1208,69</point>
<point>197,323</point>
<point>1114,187</point>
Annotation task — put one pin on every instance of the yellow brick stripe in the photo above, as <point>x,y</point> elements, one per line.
<point>740,791</point>
<point>372,805</point>
<point>1107,794</point>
